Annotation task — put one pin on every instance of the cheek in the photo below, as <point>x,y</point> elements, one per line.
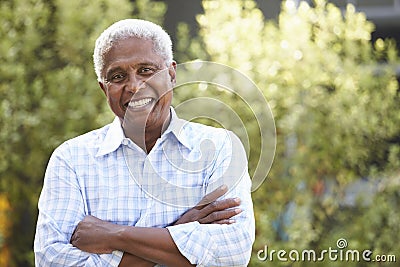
<point>113,97</point>
<point>161,109</point>
<point>165,100</point>
<point>113,103</point>
<point>161,84</point>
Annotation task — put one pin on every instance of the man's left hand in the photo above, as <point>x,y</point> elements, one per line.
<point>93,235</point>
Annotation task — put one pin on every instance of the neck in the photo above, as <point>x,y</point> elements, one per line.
<point>146,138</point>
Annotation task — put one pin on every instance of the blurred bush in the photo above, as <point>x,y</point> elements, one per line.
<point>335,99</point>
<point>333,92</point>
<point>48,93</point>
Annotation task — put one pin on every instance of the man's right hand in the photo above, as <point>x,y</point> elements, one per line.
<point>208,210</point>
<point>211,210</point>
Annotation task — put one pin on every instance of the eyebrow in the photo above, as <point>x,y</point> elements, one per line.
<point>158,66</point>
<point>111,71</point>
<point>143,64</point>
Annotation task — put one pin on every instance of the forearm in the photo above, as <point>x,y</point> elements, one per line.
<point>220,245</point>
<point>132,260</point>
<point>64,255</point>
<point>151,244</point>
<point>213,244</point>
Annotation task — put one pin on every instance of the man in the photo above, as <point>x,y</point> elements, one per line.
<point>126,194</point>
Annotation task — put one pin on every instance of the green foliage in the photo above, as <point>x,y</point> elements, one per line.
<point>48,93</point>
<point>335,96</point>
<point>333,93</point>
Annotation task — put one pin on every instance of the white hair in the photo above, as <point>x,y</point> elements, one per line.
<point>127,28</point>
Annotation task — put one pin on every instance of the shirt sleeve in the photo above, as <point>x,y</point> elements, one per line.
<point>222,245</point>
<point>61,207</point>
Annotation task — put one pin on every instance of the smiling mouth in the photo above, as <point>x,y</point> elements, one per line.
<point>140,103</point>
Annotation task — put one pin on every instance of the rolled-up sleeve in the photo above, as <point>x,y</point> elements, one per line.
<point>215,244</point>
<point>61,207</point>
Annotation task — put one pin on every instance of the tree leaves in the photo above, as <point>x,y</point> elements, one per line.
<point>335,96</point>
<point>48,93</point>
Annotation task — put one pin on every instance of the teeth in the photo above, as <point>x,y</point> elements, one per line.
<point>139,103</point>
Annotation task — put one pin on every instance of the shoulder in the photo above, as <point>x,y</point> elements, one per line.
<point>204,131</point>
<point>86,143</point>
<point>197,131</point>
<point>198,134</point>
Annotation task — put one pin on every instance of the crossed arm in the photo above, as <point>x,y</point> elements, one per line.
<point>205,234</point>
<point>144,246</point>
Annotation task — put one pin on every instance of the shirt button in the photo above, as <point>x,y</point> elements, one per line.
<point>125,141</point>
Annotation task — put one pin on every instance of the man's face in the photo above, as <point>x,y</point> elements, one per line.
<point>138,83</point>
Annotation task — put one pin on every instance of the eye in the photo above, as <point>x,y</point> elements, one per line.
<point>118,77</point>
<point>146,71</point>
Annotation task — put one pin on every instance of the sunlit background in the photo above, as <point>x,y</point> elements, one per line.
<point>330,73</point>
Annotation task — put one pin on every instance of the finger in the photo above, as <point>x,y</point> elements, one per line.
<point>220,205</point>
<point>220,215</point>
<point>225,221</point>
<point>211,197</point>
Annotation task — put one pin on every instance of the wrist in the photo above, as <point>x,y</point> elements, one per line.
<point>117,237</point>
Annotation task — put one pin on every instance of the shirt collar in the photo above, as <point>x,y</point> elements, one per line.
<point>115,134</point>
<point>176,127</point>
<point>113,138</point>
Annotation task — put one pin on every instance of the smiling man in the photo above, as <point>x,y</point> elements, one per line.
<point>148,188</point>
<point>128,69</point>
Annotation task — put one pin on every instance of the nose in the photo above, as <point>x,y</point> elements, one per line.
<point>135,83</point>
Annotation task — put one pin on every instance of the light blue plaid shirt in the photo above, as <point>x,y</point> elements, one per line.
<point>106,175</point>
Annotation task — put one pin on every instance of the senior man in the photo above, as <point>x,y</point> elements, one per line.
<point>123,195</point>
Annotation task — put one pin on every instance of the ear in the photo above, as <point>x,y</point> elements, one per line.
<point>172,72</point>
<point>103,88</point>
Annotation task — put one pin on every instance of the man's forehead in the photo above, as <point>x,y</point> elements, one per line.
<point>129,43</point>
<point>135,52</point>
<point>123,65</point>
